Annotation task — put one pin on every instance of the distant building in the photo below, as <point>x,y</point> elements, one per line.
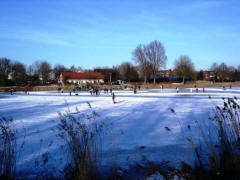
<point>81,77</point>
<point>164,73</point>
<point>208,75</point>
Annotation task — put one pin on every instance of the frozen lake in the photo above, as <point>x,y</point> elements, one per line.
<point>137,121</point>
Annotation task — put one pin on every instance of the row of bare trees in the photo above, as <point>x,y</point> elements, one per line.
<point>40,72</point>
<point>222,72</point>
<point>152,57</point>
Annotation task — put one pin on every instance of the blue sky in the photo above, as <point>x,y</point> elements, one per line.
<point>105,32</point>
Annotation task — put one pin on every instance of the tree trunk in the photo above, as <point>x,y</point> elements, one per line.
<point>154,80</point>
<point>183,79</point>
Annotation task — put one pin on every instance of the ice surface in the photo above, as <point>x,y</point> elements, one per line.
<point>136,123</point>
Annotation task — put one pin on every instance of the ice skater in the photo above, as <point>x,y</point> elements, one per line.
<point>113,98</point>
<point>177,90</point>
<point>26,91</point>
<point>91,91</point>
<point>196,90</point>
<point>135,90</point>
<point>11,91</point>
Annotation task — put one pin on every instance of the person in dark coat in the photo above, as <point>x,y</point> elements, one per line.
<point>11,91</point>
<point>113,98</point>
<point>135,90</point>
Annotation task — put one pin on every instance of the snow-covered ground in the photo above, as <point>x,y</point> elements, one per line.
<point>138,122</point>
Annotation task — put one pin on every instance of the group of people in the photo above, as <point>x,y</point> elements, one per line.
<point>191,89</point>
<point>106,90</point>
<point>94,91</point>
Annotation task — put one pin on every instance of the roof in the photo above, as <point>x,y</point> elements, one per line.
<point>82,75</point>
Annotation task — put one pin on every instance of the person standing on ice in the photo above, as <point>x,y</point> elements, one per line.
<point>70,93</point>
<point>177,90</point>
<point>203,89</point>
<point>113,98</point>
<point>11,91</point>
<point>91,91</point>
<point>135,90</point>
<point>191,90</point>
<point>25,90</point>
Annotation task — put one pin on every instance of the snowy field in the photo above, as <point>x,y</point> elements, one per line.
<point>137,121</point>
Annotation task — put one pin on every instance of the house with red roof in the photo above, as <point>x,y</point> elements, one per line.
<point>81,78</point>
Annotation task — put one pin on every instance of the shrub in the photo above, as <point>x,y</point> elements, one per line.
<point>7,149</point>
<point>83,135</point>
<point>224,158</point>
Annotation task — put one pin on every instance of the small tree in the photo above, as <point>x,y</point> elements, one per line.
<point>184,67</point>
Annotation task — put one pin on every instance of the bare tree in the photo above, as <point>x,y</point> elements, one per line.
<point>36,68</point>
<point>139,57</point>
<point>184,67</point>
<point>73,68</point>
<point>238,69</point>
<point>45,69</point>
<point>30,70</point>
<point>232,73</point>
<point>5,68</point>
<point>223,69</point>
<point>19,73</point>
<point>58,69</point>
<point>215,69</point>
<point>128,72</point>
<point>155,54</point>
